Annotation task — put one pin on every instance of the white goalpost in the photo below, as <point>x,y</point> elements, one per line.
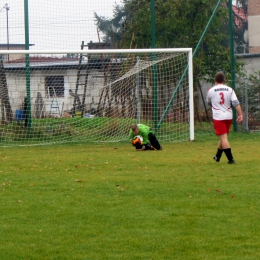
<point>95,95</point>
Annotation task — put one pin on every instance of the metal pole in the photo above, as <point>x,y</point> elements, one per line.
<point>7,28</point>
<point>153,24</point>
<point>232,59</point>
<point>191,98</point>
<point>246,104</point>
<point>138,93</point>
<point>28,121</point>
<point>154,68</point>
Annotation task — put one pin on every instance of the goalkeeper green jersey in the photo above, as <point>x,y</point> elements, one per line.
<point>144,132</point>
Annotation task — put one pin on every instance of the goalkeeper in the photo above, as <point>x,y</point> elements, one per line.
<point>149,139</point>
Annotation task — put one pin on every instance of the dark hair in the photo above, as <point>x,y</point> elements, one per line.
<point>220,78</point>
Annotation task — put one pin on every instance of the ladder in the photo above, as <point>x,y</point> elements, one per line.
<point>54,103</point>
<point>79,75</point>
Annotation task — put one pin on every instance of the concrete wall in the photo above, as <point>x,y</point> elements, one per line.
<point>253,26</point>
<point>252,64</point>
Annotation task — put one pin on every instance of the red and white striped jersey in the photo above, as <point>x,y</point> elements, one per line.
<point>221,97</point>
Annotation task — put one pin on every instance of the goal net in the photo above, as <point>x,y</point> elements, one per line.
<point>95,95</point>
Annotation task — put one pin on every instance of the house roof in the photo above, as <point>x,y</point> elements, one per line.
<point>240,16</point>
<point>247,55</point>
<point>14,45</point>
<point>43,62</point>
<point>44,59</point>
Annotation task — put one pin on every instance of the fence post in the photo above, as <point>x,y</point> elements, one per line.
<point>28,121</point>
<point>138,92</point>
<point>246,105</point>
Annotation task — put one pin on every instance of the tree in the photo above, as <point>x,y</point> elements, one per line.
<point>179,23</point>
<point>111,28</point>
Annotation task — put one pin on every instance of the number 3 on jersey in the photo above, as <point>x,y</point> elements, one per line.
<point>222,98</point>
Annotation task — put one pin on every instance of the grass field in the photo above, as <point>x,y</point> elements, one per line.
<point>107,201</point>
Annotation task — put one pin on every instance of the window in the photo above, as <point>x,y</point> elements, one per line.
<point>54,86</point>
<point>3,57</point>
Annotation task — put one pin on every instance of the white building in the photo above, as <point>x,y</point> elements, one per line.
<point>53,83</point>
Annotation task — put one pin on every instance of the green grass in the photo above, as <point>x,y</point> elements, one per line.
<point>107,201</point>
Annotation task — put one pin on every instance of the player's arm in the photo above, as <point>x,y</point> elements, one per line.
<point>239,113</point>
<point>236,105</point>
<point>131,135</point>
<point>144,133</point>
<point>208,99</point>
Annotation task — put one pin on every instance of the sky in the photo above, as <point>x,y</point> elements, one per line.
<point>53,24</point>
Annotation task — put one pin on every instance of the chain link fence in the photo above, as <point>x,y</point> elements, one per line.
<point>248,91</point>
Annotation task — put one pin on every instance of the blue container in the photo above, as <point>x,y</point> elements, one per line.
<point>19,115</point>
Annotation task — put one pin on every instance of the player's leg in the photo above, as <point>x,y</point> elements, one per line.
<point>227,148</point>
<point>219,152</point>
<point>154,142</point>
<point>143,147</point>
<point>220,128</point>
<point>225,143</point>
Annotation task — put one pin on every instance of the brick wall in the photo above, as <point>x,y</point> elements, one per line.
<point>255,49</point>
<point>253,7</point>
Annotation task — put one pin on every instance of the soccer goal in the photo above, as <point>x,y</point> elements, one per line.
<point>95,95</point>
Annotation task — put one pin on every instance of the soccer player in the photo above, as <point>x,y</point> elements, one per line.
<point>221,98</point>
<point>149,139</point>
